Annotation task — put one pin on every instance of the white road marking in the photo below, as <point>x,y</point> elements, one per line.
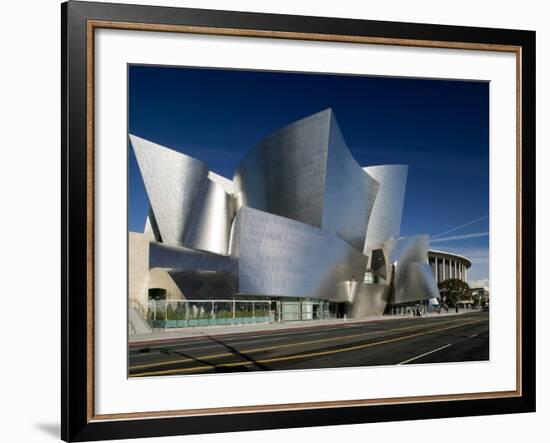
<point>473,335</point>
<point>423,355</point>
<point>191,346</point>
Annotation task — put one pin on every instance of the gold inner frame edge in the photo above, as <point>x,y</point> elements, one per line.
<point>92,25</point>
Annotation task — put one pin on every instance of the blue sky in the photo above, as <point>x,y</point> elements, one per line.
<point>439,128</point>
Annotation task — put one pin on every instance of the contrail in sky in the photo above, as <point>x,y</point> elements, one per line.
<point>461,226</point>
<point>460,237</point>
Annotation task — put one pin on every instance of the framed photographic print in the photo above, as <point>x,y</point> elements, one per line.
<point>279,221</point>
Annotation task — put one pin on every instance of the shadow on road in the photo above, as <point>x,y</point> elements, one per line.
<point>236,352</point>
<point>222,368</point>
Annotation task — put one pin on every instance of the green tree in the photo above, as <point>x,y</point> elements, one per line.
<point>453,291</point>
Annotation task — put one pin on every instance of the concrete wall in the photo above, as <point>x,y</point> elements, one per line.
<point>140,278</point>
<point>138,266</point>
<point>160,278</point>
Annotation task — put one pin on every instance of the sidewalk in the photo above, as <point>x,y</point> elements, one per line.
<point>267,328</point>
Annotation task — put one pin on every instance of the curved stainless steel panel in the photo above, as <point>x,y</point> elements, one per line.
<point>368,299</point>
<point>151,226</point>
<point>227,185</point>
<point>186,259</point>
<point>281,257</point>
<point>413,248</point>
<point>305,172</point>
<point>172,181</point>
<point>413,281</point>
<point>210,227</point>
<point>348,193</point>
<point>385,219</point>
<point>197,274</point>
<point>285,173</point>
<point>189,204</point>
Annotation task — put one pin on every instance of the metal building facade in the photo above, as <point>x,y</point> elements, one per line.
<point>305,172</point>
<point>301,219</point>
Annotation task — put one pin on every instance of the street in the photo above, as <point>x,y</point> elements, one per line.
<point>389,342</point>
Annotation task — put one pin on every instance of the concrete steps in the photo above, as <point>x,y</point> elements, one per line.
<point>138,324</point>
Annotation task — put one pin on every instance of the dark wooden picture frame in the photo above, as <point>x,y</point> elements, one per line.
<point>79,20</point>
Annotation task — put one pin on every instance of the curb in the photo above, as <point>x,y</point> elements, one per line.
<point>132,344</point>
<point>266,331</point>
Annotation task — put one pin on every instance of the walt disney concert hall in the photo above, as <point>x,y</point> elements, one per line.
<point>299,222</point>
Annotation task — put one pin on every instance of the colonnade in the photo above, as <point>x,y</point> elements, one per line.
<point>449,268</point>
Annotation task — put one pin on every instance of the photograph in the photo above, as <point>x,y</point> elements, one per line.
<point>281,220</point>
<point>275,220</point>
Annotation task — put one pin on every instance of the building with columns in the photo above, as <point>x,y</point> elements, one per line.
<point>446,265</point>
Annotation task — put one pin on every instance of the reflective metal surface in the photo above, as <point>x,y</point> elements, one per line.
<point>226,184</point>
<point>211,223</point>
<point>204,285</point>
<point>385,219</point>
<point>368,299</point>
<point>412,248</point>
<point>189,205</point>
<point>413,279</point>
<point>186,259</point>
<point>285,173</point>
<point>307,219</point>
<point>348,193</point>
<point>197,274</point>
<point>281,257</point>
<point>305,172</point>
<point>151,226</point>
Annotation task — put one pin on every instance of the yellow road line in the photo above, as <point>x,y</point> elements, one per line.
<point>269,348</point>
<point>301,356</point>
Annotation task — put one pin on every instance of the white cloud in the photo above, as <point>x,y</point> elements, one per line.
<point>481,283</point>
<point>459,237</point>
<point>463,225</point>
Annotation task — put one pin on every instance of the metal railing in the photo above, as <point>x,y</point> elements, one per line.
<point>165,314</point>
<point>142,311</point>
<point>134,303</point>
<point>169,314</point>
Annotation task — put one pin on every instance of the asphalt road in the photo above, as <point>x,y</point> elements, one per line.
<point>389,342</point>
